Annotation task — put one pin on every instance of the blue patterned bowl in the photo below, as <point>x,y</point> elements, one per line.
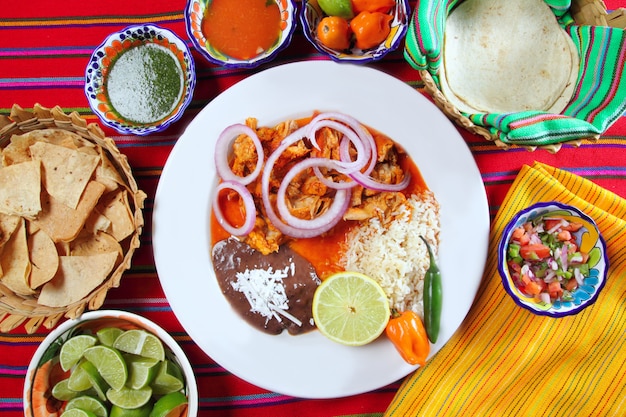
<point>195,12</point>
<point>130,104</point>
<point>311,14</point>
<point>588,239</point>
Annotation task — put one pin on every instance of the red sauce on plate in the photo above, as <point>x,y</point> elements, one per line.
<point>241,29</point>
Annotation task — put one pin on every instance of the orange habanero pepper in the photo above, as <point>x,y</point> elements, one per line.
<point>408,334</point>
<point>334,32</point>
<point>370,29</point>
<point>383,6</point>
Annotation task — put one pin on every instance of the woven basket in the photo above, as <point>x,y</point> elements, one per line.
<point>584,12</point>
<point>20,309</point>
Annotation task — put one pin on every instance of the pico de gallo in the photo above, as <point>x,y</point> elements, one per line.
<point>544,259</point>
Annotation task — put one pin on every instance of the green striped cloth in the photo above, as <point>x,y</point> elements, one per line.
<point>598,100</point>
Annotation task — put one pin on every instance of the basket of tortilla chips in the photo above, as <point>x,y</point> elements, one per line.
<point>530,73</point>
<point>70,217</point>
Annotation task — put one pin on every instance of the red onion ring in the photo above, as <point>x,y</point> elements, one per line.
<point>222,148</point>
<point>248,203</point>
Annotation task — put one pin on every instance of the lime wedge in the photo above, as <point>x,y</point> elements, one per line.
<point>62,392</point>
<point>107,335</point>
<point>142,343</point>
<point>87,403</point>
<point>168,379</point>
<point>141,371</point>
<point>129,398</point>
<point>72,350</point>
<point>79,380</point>
<point>170,405</point>
<point>77,412</point>
<point>109,363</point>
<point>350,308</point>
<point>143,411</point>
<point>97,381</point>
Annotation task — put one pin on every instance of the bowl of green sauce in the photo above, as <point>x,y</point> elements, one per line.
<point>241,33</point>
<point>140,80</point>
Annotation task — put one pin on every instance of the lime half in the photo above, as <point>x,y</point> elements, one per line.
<point>141,371</point>
<point>143,411</point>
<point>168,379</point>
<point>62,392</point>
<point>77,412</point>
<point>350,308</point>
<point>341,8</point>
<point>108,335</point>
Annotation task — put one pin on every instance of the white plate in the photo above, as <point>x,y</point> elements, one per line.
<point>310,365</point>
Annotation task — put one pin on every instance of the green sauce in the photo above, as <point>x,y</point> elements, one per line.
<point>145,83</point>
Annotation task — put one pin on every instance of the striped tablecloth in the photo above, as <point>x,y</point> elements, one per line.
<point>44,48</point>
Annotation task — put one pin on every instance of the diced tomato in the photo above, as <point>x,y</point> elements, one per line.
<point>573,227</point>
<point>533,288</point>
<point>555,290</point>
<point>534,251</point>
<point>564,236</point>
<point>571,285</point>
<point>549,224</point>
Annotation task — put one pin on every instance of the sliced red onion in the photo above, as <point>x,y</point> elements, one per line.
<point>332,215</point>
<point>369,182</point>
<point>248,203</point>
<point>222,149</point>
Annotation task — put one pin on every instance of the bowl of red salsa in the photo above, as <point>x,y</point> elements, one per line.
<point>552,259</point>
<point>240,33</point>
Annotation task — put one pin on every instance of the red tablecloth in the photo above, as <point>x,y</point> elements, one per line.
<point>44,49</point>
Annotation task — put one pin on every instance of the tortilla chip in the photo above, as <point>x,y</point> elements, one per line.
<point>44,259</point>
<point>15,262</point>
<point>93,244</point>
<point>62,223</point>
<point>66,172</point>
<point>97,222</point>
<point>17,150</point>
<point>107,174</point>
<point>59,137</point>
<point>8,224</point>
<point>117,209</point>
<point>76,278</point>
<point>20,189</point>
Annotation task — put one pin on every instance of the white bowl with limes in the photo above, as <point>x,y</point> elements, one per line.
<point>109,362</point>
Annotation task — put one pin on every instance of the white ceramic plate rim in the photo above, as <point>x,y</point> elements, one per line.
<point>310,365</point>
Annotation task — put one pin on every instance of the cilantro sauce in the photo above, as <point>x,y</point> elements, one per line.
<point>145,83</point>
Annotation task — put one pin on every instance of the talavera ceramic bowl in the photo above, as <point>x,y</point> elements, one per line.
<point>195,12</point>
<point>140,80</point>
<point>45,370</point>
<point>311,14</point>
<point>587,238</point>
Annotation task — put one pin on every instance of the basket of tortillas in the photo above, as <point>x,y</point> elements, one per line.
<point>530,73</point>
<point>70,217</point>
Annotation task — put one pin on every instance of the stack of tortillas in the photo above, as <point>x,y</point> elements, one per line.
<point>70,217</point>
<point>506,56</point>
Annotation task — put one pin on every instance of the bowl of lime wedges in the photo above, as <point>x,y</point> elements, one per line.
<point>110,363</point>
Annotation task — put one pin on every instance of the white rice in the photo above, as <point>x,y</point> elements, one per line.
<point>394,255</point>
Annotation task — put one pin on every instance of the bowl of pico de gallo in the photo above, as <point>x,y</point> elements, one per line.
<point>552,259</point>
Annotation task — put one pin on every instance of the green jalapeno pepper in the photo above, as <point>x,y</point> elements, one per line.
<point>432,297</point>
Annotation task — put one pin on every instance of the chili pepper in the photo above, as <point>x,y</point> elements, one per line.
<point>370,29</point>
<point>432,297</point>
<point>334,32</point>
<point>372,5</point>
<point>406,331</point>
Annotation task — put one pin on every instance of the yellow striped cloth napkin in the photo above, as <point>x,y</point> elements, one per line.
<point>507,361</point>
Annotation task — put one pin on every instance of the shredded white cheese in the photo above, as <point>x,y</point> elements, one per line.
<point>264,290</point>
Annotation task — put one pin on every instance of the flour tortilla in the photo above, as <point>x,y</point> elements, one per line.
<point>504,56</point>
